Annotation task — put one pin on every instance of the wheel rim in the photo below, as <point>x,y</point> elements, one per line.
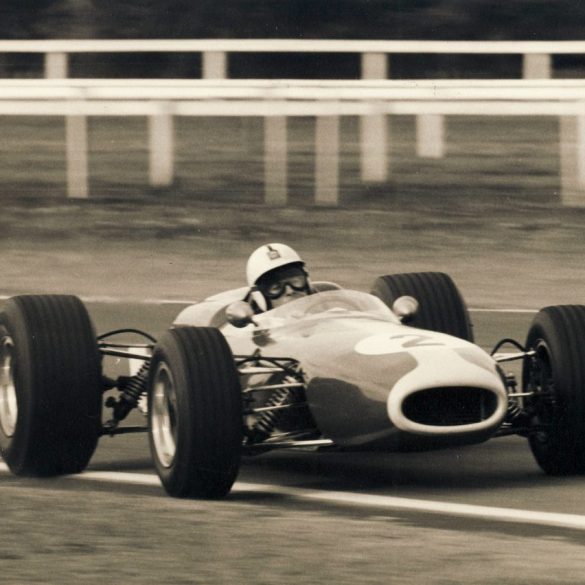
<point>8,402</point>
<point>163,416</point>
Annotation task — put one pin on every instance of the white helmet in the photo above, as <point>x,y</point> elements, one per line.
<point>267,258</point>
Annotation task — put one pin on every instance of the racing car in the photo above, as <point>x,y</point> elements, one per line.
<point>395,369</point>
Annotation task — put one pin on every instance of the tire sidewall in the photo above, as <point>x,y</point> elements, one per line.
<point>13,448</point>
<point>558,449</point>
<point>208,409</point>
<point>57,375</point>
<point>165,356</point>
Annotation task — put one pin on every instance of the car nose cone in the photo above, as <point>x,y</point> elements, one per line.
<point>449,392</point>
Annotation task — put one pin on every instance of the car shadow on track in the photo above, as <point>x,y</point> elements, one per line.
<point>504,463</point>
<point>142,464</point>
<point>501,464</point>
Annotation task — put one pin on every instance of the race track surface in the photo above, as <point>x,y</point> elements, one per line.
<point>483,514</point>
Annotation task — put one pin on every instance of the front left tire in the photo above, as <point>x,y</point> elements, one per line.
<point>195,413</point>
<point>556,378</point>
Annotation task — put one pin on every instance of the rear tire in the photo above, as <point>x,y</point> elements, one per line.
<point>557,376</point>
<point>441,306</point>
<point>195,413</point>
<point>50,385</point>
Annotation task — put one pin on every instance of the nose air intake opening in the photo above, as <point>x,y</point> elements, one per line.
<point>449,406</point>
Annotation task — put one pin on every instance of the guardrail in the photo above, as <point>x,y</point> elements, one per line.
<point>294,89</point>
<point>375,63</point>
<point>164,100</point>
<point>537,61</point>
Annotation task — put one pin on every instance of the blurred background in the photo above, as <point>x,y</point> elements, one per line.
<point>493,200</point>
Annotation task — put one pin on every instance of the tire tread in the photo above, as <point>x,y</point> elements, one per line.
<point>441,306</point>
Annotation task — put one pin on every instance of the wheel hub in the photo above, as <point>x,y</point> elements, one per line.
<point>8,402</point>
<point>543,386</point>
<point>163,416</point>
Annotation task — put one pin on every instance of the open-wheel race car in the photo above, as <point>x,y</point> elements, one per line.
<point>391,370</point>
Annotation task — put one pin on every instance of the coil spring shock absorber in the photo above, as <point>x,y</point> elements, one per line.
<point>132,389</point>
<point>515,408</point>
<point>268,419</point>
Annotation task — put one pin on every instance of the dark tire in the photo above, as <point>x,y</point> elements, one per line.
<point>195,413</point>
<point>441,306</point>
<point>50,385</point>
<point>557,376</point>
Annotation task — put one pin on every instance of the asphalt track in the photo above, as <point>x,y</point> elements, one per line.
<point>495,486</point>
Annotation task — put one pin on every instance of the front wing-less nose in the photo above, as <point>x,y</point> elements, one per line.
<point>458,393</point>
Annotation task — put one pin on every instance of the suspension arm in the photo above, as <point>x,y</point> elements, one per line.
<point>510,357</point>
<point>124,354</point>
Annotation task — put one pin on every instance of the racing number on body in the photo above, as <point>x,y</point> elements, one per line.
<point>384,343</point>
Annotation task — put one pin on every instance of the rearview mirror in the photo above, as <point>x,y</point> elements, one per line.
<point>239,314</point>
<point>405,308</point>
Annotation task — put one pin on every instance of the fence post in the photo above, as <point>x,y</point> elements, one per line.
<point>275,160</point>
<point>374,147</point>
<point>77,159</point>
<point>373,132</point>
<point>161,146</point>
<point>327,160</point>
<point>537,66</point>
<point>374,66</point>
<point>214,65</point>
<point>56,65</point>
<point>430,135</point>
<point>572,160</point>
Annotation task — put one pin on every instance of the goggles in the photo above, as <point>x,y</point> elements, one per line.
<point>274,290</point>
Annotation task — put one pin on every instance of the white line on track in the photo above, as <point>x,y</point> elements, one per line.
<point>558,520</point>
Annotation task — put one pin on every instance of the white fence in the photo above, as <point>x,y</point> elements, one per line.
<point>164,100</point>
<point>537,55</point>
<point>375,60</point>
<point>431,101</point>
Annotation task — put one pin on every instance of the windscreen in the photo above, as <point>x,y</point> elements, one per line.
<point>339,302</point>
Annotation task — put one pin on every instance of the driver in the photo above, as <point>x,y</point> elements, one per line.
<point>276,275</point>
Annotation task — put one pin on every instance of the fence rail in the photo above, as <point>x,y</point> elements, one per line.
<point>537,55</point>
<point>290,46</point>
<point>278,108</point>
<point>300,90</point>
<point>265,97</point>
